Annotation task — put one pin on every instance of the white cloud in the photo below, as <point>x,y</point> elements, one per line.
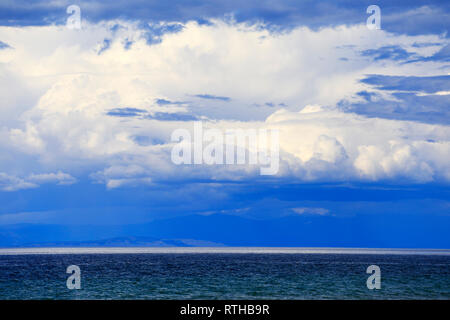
<point>14,183</point>
<point>342,146</point>
<point>59,178</point>
<point>71,87</point>
<point>311,211</point>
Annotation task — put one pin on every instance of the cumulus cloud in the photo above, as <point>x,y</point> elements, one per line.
<point>14,183</point>
<point>333,145</point>
<point>108,111</point>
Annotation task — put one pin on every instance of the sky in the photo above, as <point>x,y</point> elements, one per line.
<point>87,114</point>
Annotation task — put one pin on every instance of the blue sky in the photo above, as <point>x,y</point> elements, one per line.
<point>86,117</point>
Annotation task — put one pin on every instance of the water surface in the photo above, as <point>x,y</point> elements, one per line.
<point>222,273</point>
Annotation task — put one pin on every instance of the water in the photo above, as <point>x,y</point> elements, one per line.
<point>187,273</point>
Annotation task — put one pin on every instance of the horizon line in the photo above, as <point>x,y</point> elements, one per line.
<point>225,250</point>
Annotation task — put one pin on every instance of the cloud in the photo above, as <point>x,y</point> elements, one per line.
<point>442,55</point>
<point>155,31</point>
<point>387,53</point>
<point>414,19</point>
<point>404,98</point>
<point>110,116</point>
<point>60,178</point>
<point>13,183</point>
<point>311,211</point>
<point>163,116</point>
<point>343,146</point>
<point>125,112</point>
<point>212,97</point>
<point>4,45</point>
<point>428,84</point>
<point>168,102</point>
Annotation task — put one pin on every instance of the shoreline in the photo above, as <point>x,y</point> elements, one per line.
<point>219,250</point>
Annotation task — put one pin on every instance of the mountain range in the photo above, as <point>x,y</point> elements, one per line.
<point>229,230</point>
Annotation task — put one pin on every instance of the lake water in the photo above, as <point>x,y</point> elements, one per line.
<point>223,273</point>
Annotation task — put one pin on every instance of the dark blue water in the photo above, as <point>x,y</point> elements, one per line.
<point>224,276</point>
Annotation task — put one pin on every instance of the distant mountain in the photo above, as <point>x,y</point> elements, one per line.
<point>127,242</point>
<point>370,230</point>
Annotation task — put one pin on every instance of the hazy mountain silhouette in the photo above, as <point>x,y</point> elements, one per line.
<point>218,229</point>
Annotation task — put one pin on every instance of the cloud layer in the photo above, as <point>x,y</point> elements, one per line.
<point>101,102</point>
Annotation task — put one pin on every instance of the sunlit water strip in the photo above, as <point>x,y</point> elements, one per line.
<point>237,250</point>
